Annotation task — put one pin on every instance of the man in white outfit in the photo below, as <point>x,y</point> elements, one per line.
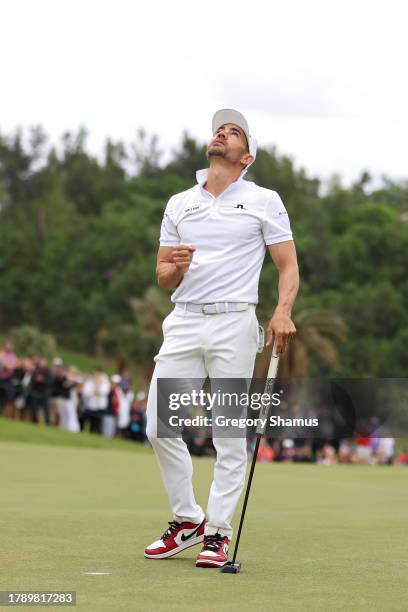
<point>212,246</point>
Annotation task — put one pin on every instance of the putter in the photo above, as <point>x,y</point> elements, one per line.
<point>234,566</point>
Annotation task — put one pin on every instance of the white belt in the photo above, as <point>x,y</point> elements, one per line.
<point>216,308</point>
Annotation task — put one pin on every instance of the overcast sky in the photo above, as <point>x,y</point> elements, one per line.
<point>324,81</point>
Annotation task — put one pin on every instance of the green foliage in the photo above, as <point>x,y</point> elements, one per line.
<point>32,342</point>
<point>188,159</point>
<point>79,236</point>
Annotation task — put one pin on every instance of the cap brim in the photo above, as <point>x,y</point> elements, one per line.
<point>229,115</point>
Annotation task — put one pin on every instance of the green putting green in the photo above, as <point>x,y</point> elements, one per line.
<point>316,537</point>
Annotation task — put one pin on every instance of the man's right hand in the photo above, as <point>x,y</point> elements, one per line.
<point>182,256</point>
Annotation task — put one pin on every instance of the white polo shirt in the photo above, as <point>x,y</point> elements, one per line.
<point>230,234</point>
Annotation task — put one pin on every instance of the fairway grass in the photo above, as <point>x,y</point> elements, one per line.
<point>316,537</point>
<point>20,431</point>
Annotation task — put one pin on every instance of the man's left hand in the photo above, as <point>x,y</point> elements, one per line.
<point>281,328</point>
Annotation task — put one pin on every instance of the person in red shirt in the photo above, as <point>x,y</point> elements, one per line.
<point>266,453</point>
<point>363,451</point>
<point>403,458</point>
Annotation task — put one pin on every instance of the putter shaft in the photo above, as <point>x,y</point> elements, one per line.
<point>264,411</point>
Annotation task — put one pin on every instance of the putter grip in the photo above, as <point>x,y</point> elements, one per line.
<point>269,386</point>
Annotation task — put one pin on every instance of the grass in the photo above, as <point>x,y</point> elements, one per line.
<point>317,538</point>
<point>16,431</point>
<point>85,362</point>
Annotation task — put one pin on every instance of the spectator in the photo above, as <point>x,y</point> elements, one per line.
<point>327,455</point>
<point>95,392</point>
<point>303,450</point>
<point>39,391</point>
<point>69,400</point>
<point>17,383</point>
<point>126,397</point>
<point>385,451</point>
<point>115,397</point>
<point>137,425</point>
<point>403,458</point>
<point>55,403</point>
<point>125,380</point>
<point>287,451</point>
<point>345,452</point>
<point>363,454</point>
<point>198,445</point>
<point>28,367</point>
<point>8,361</point>
<point>265,452</point>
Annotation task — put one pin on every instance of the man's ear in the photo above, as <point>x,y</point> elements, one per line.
<point>247,159</point>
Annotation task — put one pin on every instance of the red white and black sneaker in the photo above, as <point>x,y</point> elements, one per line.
<point>176,538</point>
<point>214,552</point>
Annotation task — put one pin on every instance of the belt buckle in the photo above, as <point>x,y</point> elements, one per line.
<point>203,308</point>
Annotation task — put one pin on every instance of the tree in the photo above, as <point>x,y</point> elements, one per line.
<point>31,342</point>
<point>189,158</point>
<point>150,310</point>
<point>315,333</point>
<point>146,154</point>
<point>79,235</point>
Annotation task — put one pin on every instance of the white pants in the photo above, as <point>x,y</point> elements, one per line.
<point>196,346</point>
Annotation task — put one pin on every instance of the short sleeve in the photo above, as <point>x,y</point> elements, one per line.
<point>275,222</point>
<point>168,233</point>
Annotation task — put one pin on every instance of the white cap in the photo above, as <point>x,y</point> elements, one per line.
<point>116,379</point>
<point>229,115</point>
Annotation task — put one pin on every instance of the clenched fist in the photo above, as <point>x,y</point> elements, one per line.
<point>182,256</point>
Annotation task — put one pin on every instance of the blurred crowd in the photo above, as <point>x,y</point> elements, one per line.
<point>60,395</point>
<point>358,450</point>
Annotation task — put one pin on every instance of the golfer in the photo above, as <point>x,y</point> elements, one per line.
<point>212,246</point>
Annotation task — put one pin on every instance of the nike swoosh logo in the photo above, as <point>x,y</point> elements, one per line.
<point>184,537</point>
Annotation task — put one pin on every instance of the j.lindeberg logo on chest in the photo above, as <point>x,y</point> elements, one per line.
<point>192,209</point>
<point>241,206</point>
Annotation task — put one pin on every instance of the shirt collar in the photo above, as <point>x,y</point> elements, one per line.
<point>201,176</point>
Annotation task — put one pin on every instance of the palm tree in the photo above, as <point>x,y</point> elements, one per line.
<point>315,329</point>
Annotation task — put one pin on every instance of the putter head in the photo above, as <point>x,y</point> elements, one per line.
<point>231,568</point>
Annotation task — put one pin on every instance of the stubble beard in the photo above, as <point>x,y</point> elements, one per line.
<point>214,151</point>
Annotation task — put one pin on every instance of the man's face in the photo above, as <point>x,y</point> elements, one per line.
<point>230,143</point>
